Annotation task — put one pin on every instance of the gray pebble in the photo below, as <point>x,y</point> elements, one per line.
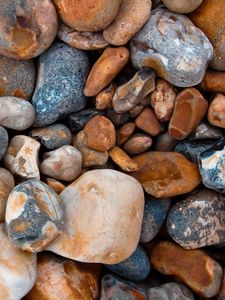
<point>4,139</point>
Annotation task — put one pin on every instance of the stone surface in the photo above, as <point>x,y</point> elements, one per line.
<point>104,99</point>
<point>193,267</point>
<point>221,294</point>
<point>33,215</point>
<point>148,122</point>
<point>56,185</point>
<point>4,138</point>
<point>6,185</point>
<point>63,279</point>
<point>134,112</point>
<point>166,174</point>
<point>124,133</point>
<point>216,112</point>
<point>26,29</point>
<point>137,144</point>
<point>177,50</point>
<point>190,108</point>
<point>17,77</point>
<point>182,6</point>
<point>117,119</point>
<point>109,64</point>
<point>213,81</point>
<point>59,88</point>
<point>16,113</point>
<point>120,158</point>
<point>205,131</point>
<point>101,223</point>
<point>164,142</point>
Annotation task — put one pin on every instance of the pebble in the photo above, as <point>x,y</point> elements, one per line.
<point>131,93</point>
<point>26,29</point>
<point>104,99</point>
<point>17,77</point>
<point>16,113</point>
<point>59,88</point>
<point>21,157</point>
<point>132,15</point>
<point>117,119</point>
<point>221,294</point>
<point>63,279</point>
<point>64,163</point>
<point>56,185</point>
<point>155,213</point>
<point>53,136</point>
<point>134,112</point>
<point>182,6</point>
<point>213,81</point>
<point>6,185</point>
<point>148,122</point>
<point>102,224</point>
<point>198,220</point>
<point>4,138</point>
<point>109,64</point>
<point>120,158</point>
<point>164,142</point>
<point>166,174</point>
<point>36,222</point>
<point>137,144</point>
<point>193,267</point>
<point>124,132</point>
<point>177,50</point>
<point>216,112</point>
<point>190,108</point>
<point>205,131</point>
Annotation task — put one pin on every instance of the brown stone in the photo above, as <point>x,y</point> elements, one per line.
<point>56,185</point>
<point>109,64</point>
<point>148,122</point>
<point>124,133</point>
<point>137,144</point>
<point>193,267</point>
<point>213,81</point>
<point>221,294</point>
<point>104,99</point>
<point>134,112</point>
<point>216,112</point>
<point>165,142</point>
<point>166,174</point>
<point>101,134</point>
<point>190,108</point>
<point>122,159</point>
<point>6,185</point>
<point>182,6</point>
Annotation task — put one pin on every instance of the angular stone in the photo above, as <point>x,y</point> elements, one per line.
<point>216,112</point>
<point>94,228</point>
<point>104,99</point>
<point>124,133</point>
<point>120,158</point>
<point>117,119</point>
<point>56,185</point>
<point>166,174</point>
<point>193,267</point>
<point>137,144</point>
<point>33,215</point>
<point>213,81</point>
<point>59,88</point>
<point>6,185</point>
<point>164,142</point>
<point>177,50</point>
<point>182,6</point>
<point>205,131</point>
<point>148,122</point>
<point>4,138</point>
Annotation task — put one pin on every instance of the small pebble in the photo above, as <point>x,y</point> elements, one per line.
<point>4,138</point>
<point>137,144</point>
<point>124,132</point>
<point>148,122</point>
<point>213,81</point>
<point>6,185</point>
<point>216,112</point>
<point>182,6</point>
<point>205,131</point>
<point>104,99</point>
<point>120,158</point>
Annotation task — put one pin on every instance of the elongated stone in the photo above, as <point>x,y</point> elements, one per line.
<point>120,157</point>
<point>137,144</point>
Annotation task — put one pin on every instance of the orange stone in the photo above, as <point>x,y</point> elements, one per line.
<point>193,267</point>
<point>137,144</point>
<point>56,185</point>
<point>123,160</point>
<point>213,81</point>
<point>148,122</point>
<point>166,174</point>
<point>216,112</point>
<point>104,98</point>
<point>124,133</point>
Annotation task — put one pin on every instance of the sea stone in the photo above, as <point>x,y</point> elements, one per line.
<point>16,113</point>
<point>56,185</point>
<point>6,185</point>
<point>166,174</point>
<point>120,158</point>
<point>193,267</point>
<point>17,77</point>
<point>221,294</point>
<point>205,131</point>
<point>213,81</point>
<point>118,119</point>
<point>59,88</point>
<point>36,222</point>
<point>164,142</point>
<point>216,112</point>
<point>148,122</point>
<point>94,228</point>
<point>182,6</point>
<point>4,138</point>
<point>137,144</point>
<point>104,99</point>
<point>124,132</point>
<point>134,112</point>
<point>170,44</point>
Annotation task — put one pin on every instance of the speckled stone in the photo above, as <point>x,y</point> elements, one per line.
<point>155,213</point>
<point>59,88</point>
<point>205,131</point>
<point>177,50</point>
<point>33,215</point>
<point>182,6</point>
<point>6,185</point>
<point>4,138</point>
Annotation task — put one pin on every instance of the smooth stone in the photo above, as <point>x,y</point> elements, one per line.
<point>59,88</point>
<point>6,185</point>
<point>134,112</point>
<point>182,6</point>
<point>4,138</point>
<point>148,122</point>
<point>221,294</point>
<point>94,230</point>
<point>124,161</point>
<point>16,113</point>
<point>216,112</point>
<point>137,144</point>
<point>213,81</point>
<point>56,185</point>
<point>17,77</point>
<point>33,215</point>
<point>155,213</point>
<point>164,142</point>
<point>178,51</point>
<point>104,99</point>
<point>117,119</point>
<point>17,269</point>
<point>53,136</point>
<point>205,131</point>
<point>124,132</point>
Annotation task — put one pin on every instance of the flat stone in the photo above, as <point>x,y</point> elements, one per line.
<point>137,144</point>
<point>6,185</point>
<point>59,88</point>
<point>4,138</point>
<point>216,112</point>
<point>104,99</point>
<point>213,81</point>
<point>124,132</point>
<point>205,131</point>
<point>120,158</point>
<point>182,6</point>
<point>164,142</point>
<point>148,122</point>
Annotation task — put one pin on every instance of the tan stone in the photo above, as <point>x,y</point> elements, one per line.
<point>6,185</point>
<point>56,185</point>
<point>213,81</point>
<point>216,112</point>
<point>137,144</point>
<point>122,159</point>
<point>182,6</point>
<point>148,122</point>
<point>104,99</point>
<point>124,133</point>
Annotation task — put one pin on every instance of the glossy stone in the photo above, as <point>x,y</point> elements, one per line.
<point>216,112</point>
<point>182,6</point>
<point>4,138</point>
<point>137,144</point>
<point>120,158</point>
<point>148,122</point>
<point>213,81</point>
<point>205,131</point>
<point>124,133</point>
<point>6,185</point>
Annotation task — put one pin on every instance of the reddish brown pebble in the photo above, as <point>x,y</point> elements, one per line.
<point>213,81</point>
<point>123,160</point>
<point>104,99</point>
<point>148,122</point>
<point>193,267</point>
<point>56,185</point>
<point>216,112</point>
<point>137,144</point>
<point>124,133</point>
<point>109,64</point>
<point>190,108</point>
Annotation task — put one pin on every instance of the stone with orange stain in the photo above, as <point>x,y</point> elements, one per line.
<point>213,81</point>
<point>102,224</point>
<point>122,159</point>
<point>6,185</point>
<point>104,99</point>
<point>137,144</point>
<point>166,174</point>
<point>193,267</point>
<point>124,133</point>
<point>148,122</point>
<point>216,112</point>
<point>190,108</point>
<point>56,185</point>
<point>63,279</point>
<point>109,64</point>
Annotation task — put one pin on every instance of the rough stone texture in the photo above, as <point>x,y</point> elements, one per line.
<point>124,133</point>
<point>109,64</point>
<point>4,138</point>
<point>198,220</point>
<point>137,144</point>
<point>17,269</point>
<point>165,142</point>
<point>63,279</point>
<point>216,112</point>
<point>104,99</point>
<point>120,158</point>
<point>17,77</point>
<point>166,174</point>
<point>59,88</point>
<point>205,131</point>
<point>33,215</point>
<point>133,14</point>
<point>213,81</point>
<point>190,108</point>
<point>117,119</point>
<point>16,113</point>
<point>21,157</point>
<point>182,6</point>
<point>56,185</point>
<point>193,267</point>
<point>6,185</point>
<point>221,294</point>
<point>101,223</point>
<point>26,29</point>
<point>148,122</point>
<point>170,44</point>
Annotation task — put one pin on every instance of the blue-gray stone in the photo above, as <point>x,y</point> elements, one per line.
<point>4,140</point>
<point>62,71</point>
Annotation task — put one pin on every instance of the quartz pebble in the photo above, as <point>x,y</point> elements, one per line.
<point>6,185</point>
<point>182,6</point>
<point>4,138</point>
<point>216,112</point>
<point>124,133</point>
<point>137,144</point>
<point>205,131</point>
<point>104,99</point>
<point>122,159</point>
<point>148,122</point>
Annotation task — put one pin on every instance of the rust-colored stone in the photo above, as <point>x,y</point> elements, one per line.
<point>56,185</point>
<point>104,99</point>
<point>123,160</point>
<point>124,133</point>
<point>216,112</point>
<point>148,122</point>
<point>213,81</point>
<point>137,144</point>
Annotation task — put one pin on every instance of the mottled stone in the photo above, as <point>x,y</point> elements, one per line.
<point>205,131</point>
<point>213,81</point>
<point>148,122</point>
<point>182,6</point>
<point>4,138</point>
<point>104,99</point>
<point>137,144</point>
<point>122,159</point>
<point>164,142</point>
<point>56,185</point>
<point>216,112</point>
<point>101,223</point>
<point>33,215</point>
<point>6,185</point>
<point>177,50</point>
<point>193,267</point>
<point>166,174</point>
<point>117,119</point>
<point>59,88</point>
<point>124,132</point>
